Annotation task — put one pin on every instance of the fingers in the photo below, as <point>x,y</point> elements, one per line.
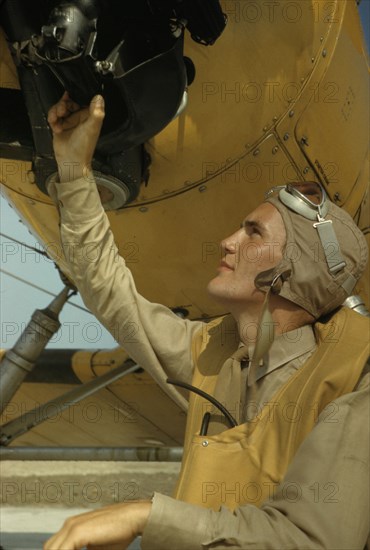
<point>59,112</point>
<point>63,115</point>
<point>68,538</point>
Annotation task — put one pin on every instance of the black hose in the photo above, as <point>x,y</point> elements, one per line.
<point>231,420</point>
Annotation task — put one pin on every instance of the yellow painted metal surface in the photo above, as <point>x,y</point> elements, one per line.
<point>281,96</point>
<point>277,76</point>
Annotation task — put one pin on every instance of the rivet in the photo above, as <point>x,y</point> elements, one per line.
<point>286,136</point>
<point>304,140</point>
<point>337,197</point>
<point>275,118</point>
<point>265,129</point>
<point>256,152</point>
<point>202,188</point>
<point>306,170</point>
<point>275,150</point>
<point>321,38</point>
<point>31,176</point>
<point>205,443</point>
<point>291,113</point>
<point>324,52</point>
<point>312,59</point>
<point>143,209</point>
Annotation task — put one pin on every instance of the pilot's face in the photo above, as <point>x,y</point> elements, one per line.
<point>255,247</point>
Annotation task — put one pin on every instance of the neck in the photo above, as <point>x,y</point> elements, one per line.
<point>286,316</point>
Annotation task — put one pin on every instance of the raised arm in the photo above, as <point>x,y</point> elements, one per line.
<point>151,333</point>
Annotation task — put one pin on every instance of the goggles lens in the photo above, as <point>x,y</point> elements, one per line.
<point>310,191</point>
<point>307,198</point>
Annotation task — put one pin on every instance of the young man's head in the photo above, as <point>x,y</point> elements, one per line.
<point>309,250</point>
<point>257,246</point>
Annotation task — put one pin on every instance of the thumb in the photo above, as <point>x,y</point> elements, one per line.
<point>97,108</point>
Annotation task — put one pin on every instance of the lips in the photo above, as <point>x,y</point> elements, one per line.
<point>225,265</point>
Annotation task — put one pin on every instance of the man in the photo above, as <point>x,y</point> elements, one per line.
<point>288,456</point>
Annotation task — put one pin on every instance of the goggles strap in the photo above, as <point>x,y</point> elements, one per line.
<point>330,245</point>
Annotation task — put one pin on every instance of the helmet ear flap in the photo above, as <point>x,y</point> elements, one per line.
<point>274,278</point>
<point>278,281</point>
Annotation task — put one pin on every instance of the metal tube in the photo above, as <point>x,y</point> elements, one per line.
<point>18,426</point>
<point>131,454</point>
<point>21,359</point>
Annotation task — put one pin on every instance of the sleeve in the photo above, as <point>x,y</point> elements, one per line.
<point>156,338</point>
<point>322,503</point>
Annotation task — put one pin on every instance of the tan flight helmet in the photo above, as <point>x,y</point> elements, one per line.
<point>325,252</point>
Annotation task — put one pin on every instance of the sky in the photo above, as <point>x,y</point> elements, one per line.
<point>79,329</point>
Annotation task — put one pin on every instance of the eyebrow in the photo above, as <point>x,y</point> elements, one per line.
<point>253,224</point>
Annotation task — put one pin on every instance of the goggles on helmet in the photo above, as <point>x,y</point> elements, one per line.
<point>310,200</point>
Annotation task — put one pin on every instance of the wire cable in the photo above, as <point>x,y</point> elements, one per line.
<point>42,252</point>
<point>42,289</point>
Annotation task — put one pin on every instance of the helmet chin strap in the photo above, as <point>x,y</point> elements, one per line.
<point>265,323</point>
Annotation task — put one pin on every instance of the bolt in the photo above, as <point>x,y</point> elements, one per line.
<point>324,52</point>
<point>202,188</point>
<point>337,197</point>
<point>256,152</point>
<point>275,150</point>
<point>306,170</point>
<point>205,443</point>
<point>291,113</point>
<point>304,140</point>
<point>286,136</point>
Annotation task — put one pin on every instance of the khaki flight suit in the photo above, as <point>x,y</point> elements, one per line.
<point>318,495</point>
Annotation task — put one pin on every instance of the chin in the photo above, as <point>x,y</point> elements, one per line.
<point>218,291</point>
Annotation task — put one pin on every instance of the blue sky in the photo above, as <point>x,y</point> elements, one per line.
<point>18,301</point>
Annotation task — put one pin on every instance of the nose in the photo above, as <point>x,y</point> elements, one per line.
<point>230,244</point>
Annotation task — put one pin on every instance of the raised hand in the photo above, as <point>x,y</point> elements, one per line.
<point>75,134</point>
